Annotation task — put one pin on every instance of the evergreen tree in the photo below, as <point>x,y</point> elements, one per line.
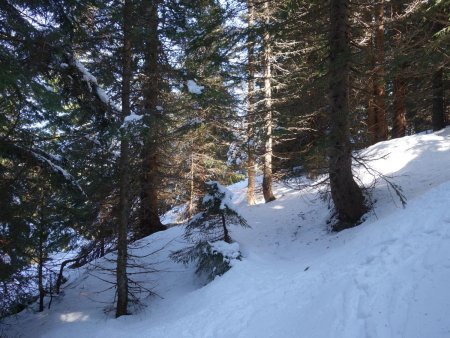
<point>208,232</point>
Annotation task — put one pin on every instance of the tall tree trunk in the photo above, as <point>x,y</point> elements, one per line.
<point>377,123</point>
<point>379,86</point>
<point>191,206</point>
<point>371,114</point>
<point>399,118</point>
<point>122,230</point>
<point>347,196</point>
<point>268,122</point>
<point>251,106</point>
<point>41,242</point>
<point>40,269</point>
<point>149,218</point>
<point>438,113</point>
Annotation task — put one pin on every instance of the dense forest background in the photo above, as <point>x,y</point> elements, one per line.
<point>114,112</point>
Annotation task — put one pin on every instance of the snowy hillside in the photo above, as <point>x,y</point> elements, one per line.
<point>388,277</point>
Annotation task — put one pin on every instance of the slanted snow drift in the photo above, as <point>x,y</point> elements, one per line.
<point>388,277</point>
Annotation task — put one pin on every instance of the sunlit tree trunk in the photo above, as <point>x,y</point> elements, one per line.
<point>251,106</point>
<point>191,206</point>
<point>268,119</point>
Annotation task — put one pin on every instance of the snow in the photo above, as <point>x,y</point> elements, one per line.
<point>388,277</point>
<point>57,169</point>
<point>223,194</point>
<point>194,88</point>
<point>91,81</point>
<point>87,76</point>
<point>132,118</point>
<point>229,251</point>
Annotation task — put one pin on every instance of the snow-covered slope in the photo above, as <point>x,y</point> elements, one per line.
<point>388,277</point>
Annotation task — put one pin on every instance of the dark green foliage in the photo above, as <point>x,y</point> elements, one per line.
<point>208,229</point>
<point>209,262</point>
<point>216,214</point>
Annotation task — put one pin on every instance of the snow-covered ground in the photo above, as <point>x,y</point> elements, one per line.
<point>388,277</point>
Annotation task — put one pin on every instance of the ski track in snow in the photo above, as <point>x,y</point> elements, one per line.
<point>387,277</point>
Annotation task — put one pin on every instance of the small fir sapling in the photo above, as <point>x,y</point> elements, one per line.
<point>211,245</point>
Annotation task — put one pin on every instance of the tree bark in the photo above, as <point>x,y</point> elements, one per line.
<point>191,206</point>
<point>149,218</point>
<point>268,119</point>
<point>377,123</point>
<point>60,278</point>
<point>379,86</point>
<point>41,254</point>
<point>399,118</point>
<point>399,123</point>
<point>346,194</point>
<point>226,235</point>
<point>438,111</point>
<point>251,170</point>
<point>40,270</point>
<point>122,231</point>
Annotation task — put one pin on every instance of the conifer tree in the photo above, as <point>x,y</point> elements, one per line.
<point>122,231</point>
<point>208,233</point>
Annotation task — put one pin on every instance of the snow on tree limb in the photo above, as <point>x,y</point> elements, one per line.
<point>41,159</point>
<point>92,84</point>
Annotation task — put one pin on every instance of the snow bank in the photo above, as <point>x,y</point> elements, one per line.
<point>387,277</point>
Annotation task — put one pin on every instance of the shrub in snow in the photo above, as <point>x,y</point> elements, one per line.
<point>211,246</point>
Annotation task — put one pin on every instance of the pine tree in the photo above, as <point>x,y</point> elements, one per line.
<point>122,231</point>
<point>208,232</point>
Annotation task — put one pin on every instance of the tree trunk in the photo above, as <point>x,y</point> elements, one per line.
<point>191,206</point>
<point>438,113</point>
<point>122,231</point>
<point>377,123</point>
<point>268,122</point>
<point>399,123</point>
<point>40,270</point>
<point>379,87</point>
<point>347,196</point>
<point>251,106</point>
<point>149,218</point>
<point>399,118</point>
<point>43,236</point>
<point>226,236</point>
<point>102,241</point>
<point>60,278</point>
